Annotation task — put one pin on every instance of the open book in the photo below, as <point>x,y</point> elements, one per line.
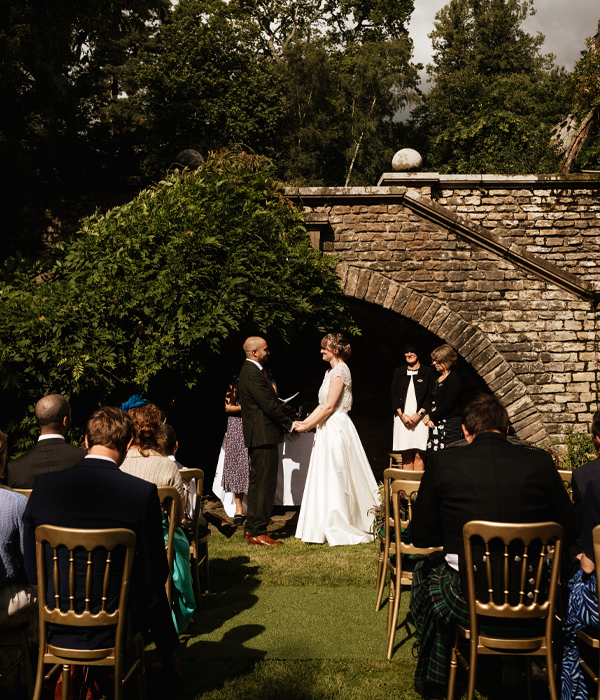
<point>289,398</point>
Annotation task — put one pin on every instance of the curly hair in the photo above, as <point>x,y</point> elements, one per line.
<point>338,344</point>
<point>148,422</point>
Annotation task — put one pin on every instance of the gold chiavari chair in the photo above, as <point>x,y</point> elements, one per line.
<point>505,621</point>
<point>169,500</point>
<point>199,544</point>
<point>73,607</point>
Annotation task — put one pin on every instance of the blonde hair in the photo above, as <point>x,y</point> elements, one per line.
<point>338,344</point>
<point>445,355</point>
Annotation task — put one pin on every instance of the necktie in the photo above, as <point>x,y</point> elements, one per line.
<point>265,373</point>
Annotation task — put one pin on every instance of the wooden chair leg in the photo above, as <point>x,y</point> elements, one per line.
<point>118,678</point>
<point>382,581</point>
<point>453,668</point>
<point>391,601</point>
<point>396,608</point>
<point>550,673</point>
<point>66,679</point>
<point>380,568</point>
<point>196,580</point>
<point>472,671</point>
<point>39,677</point>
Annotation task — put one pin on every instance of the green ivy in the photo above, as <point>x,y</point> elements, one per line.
<point>160,284</point>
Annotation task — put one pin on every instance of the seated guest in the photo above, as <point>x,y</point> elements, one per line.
<point>96,494</point>
<point>147,460</point>
<point>586,473</point>
<point>18,600</point>
<point>582,610</point>
<point>51,453</point>
<point>488,479</point>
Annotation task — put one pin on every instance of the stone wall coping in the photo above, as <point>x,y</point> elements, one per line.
<point>464,227</point>
<point>489,180</point>
<point>371,193</point>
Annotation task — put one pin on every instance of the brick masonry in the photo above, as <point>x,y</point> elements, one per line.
<point>533,341</point>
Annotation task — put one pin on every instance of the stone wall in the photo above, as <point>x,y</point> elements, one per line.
<point>505,269</point>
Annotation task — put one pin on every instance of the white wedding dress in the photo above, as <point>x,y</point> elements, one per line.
<point>340,487</point>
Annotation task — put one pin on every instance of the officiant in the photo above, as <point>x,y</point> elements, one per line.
<point>412,386</point>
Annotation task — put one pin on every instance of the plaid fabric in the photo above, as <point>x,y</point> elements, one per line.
<point>436,604</point>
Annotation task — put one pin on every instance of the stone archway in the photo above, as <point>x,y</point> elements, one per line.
<point>470,342</point>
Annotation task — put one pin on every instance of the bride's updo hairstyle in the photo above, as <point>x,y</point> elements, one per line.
<point>338,344</point>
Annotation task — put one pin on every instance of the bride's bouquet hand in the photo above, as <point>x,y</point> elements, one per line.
<point>300,427</point>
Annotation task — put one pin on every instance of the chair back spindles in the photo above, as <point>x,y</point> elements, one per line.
<point>533,550</point>
<point>521,563</point>
<point>66,545</point>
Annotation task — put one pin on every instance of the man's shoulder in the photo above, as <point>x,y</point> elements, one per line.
<point>588,471</point>
<point>44,446</point>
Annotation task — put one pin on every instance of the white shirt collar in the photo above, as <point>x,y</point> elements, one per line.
<point>51,436</point>
<point>107,459</point>
<point>255,362</point>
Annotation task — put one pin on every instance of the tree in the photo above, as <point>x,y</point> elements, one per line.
<point>494,96</point>
<point>317,108</point>
<point>343,23</point>
<point>584,90</point>
<point>54,63</point>
<point>206,86</point>
<point>156,288</point>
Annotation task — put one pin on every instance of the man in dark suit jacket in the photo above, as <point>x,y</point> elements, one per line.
<point>51,453</point>
<point>264,423</point>
<point>489,479</point>
<point>96,494</point>
<point>586,473</point>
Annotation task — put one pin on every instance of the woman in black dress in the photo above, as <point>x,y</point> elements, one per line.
<point>411,388</point>
<point>444,417</point>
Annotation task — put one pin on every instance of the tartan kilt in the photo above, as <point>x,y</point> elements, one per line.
<point>436,605</point>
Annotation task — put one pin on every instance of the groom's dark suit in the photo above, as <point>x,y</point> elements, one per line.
<point>263,422</point>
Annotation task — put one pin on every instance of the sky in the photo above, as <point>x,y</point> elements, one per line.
<point>565,24</point>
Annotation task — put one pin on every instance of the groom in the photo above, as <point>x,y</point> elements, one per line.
<point>263,422</point>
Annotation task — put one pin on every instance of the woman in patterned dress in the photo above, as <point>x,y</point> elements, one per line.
<point>236,468</point>
<point>444,417</point>
<point>340,489</point>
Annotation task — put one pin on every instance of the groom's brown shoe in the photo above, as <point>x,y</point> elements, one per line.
<point>264,540</point>
<point>247,535</point>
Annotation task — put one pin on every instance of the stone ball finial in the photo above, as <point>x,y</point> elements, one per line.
<point>190,158</point>
<point>406,159</point>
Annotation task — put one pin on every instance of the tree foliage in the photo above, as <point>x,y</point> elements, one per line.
<point>494,96</point>
<point>585,93</point>
<point>58,63</point>
<point>316,107</point>
<point>159,285</point>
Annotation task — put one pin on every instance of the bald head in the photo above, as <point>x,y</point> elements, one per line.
<point>53,414</point>
<point>253,343</point>
<point>256,349</point>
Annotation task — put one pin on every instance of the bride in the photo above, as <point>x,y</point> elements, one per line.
<point>340,487</point>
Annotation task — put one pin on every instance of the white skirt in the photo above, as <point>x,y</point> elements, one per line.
<point>340,487</point>
<point>415,437</point>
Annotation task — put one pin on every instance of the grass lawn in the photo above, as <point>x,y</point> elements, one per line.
<point>299,622</point>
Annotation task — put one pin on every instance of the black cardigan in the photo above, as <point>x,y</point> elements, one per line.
<point>423,382</point>
<point>446,398</point>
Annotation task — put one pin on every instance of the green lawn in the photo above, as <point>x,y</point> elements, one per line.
<point>299,622</point>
